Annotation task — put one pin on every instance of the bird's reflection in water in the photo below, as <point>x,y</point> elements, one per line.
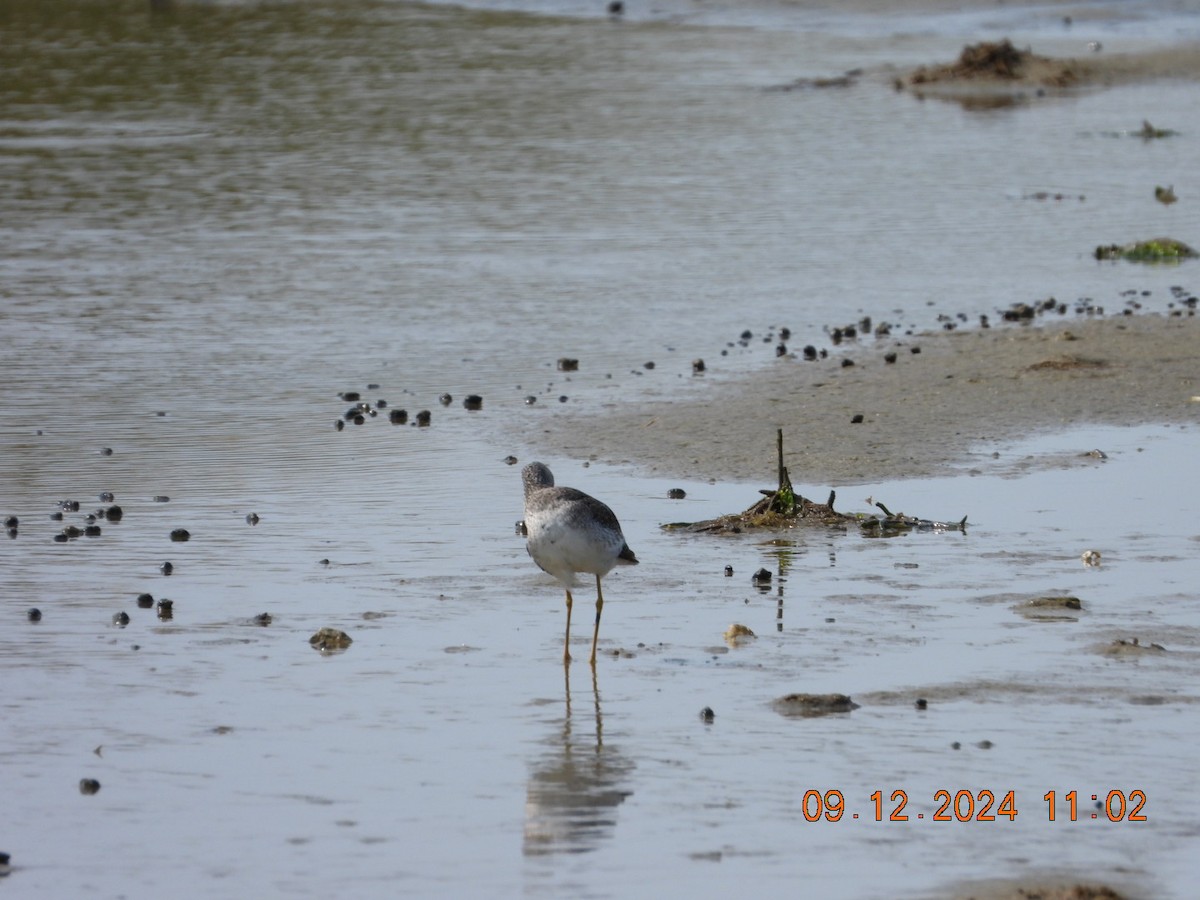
<point>575,788</point>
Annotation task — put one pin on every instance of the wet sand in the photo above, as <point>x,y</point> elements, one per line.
<point>964,395</point>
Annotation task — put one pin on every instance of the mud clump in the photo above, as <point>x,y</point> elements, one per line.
<point>809,705</point>
<point>997,61</point>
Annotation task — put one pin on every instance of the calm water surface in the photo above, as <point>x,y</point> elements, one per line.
<point>217,219</point>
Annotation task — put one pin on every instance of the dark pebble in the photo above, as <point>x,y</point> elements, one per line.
<point>11,522</point>
<point>810,352</point>
<point>381,404</point>
<point>445,399</point>
<point>114,513</point>
<point>359,419</point>
<point>530,400</point>
<point>747,334</point>
<point>106,451</point>
<point>145,601</point>
<point>339,425</point>
<point>263,619</point>
<point>520,528</point>
<point>856,419</point>
<point>785,333</point>
<point>781,350</point>
<point>510,460</point>
<point>648,365</point>
<point>372,387</point>
<point>616,8</point>
<point>180,534</point>
<point>707,715</point>
<point>121,619</point>
<point>107,497</point>
<point>350,396</point>
<point>697,365</point>
<point>252,519</point>
<point>166,609</point>
<point>676,493</point>
<point>762,576</point>
<point>956,746</point>
<point>398,416</point>
<point>161,498</point>
<point>69,505</point>
<point>562,398</point>
<point>473,402</point>
<point>72,531</point>
<point>847,363</point>
<point>60,539</point>
<point>12,532</point>
<point>423,418</point>
<point>921,703</point>
<point>34,615</point>
<point>166,568</point>
<point>916,350</point>
<point>566,364</point>
<point>729,571</point>
<point>88,786</point>
<point>92,531</point>
<point>56,517</point>
<point>889,358</point>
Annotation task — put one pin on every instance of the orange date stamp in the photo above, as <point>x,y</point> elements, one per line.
<point>976,806</point>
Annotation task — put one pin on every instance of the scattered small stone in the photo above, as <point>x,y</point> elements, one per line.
<point>648,365</point>
<point>707,715</point>
<point>729,571</point>
<point>847,362</point>
<point>339,425</point>
<point>56,517</point>
<point>88,786</point>
<point>181,534</point>
<point>252,519</point>
<point>1090,557</point>
<point>781,350</point>
<point>166,568</point>
<point>473,402</point>
<point>762,576</point>
<point>145,601</point>
<point>810,352</point>
<point>565,364</point>
<point>34,614</point>
<point>162,498</point>
<point>510,460</point>
<point>350,396</point>
<point>889,358</point>
<point>697,366</point>
<point>423,418</point>
<point>166,609</point>
<point>330,640</point>
<point>921,703</point>
<point>445,399</point>
<point>530,399</point>
<point>262,619</point>
<point>69,505</point>
<point>856,419</point>
<point>676,493</point>
<point>106,451</point>
<point>914,350</point>
<point>120,619</point>
<point>60,538</point>
<point>91,531</point>
<point>114,514</point>
<point>106,497</point>
<point>398,416</point>
<point>984,745</point>
<point>562,398</point>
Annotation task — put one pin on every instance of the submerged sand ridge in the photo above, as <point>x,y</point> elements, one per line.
<point>964,393</point>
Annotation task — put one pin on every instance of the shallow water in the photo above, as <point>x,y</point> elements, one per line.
<point>217,220</point>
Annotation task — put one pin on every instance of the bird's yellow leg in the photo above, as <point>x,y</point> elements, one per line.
<point>599,607</point>
<point>567,639</point>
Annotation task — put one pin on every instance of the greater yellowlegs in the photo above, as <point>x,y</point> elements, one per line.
<point>571,532</point>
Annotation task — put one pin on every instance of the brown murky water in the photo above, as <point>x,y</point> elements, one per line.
<point>216,220</point>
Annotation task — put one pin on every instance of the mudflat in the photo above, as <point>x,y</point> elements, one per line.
<point>964,394</point>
